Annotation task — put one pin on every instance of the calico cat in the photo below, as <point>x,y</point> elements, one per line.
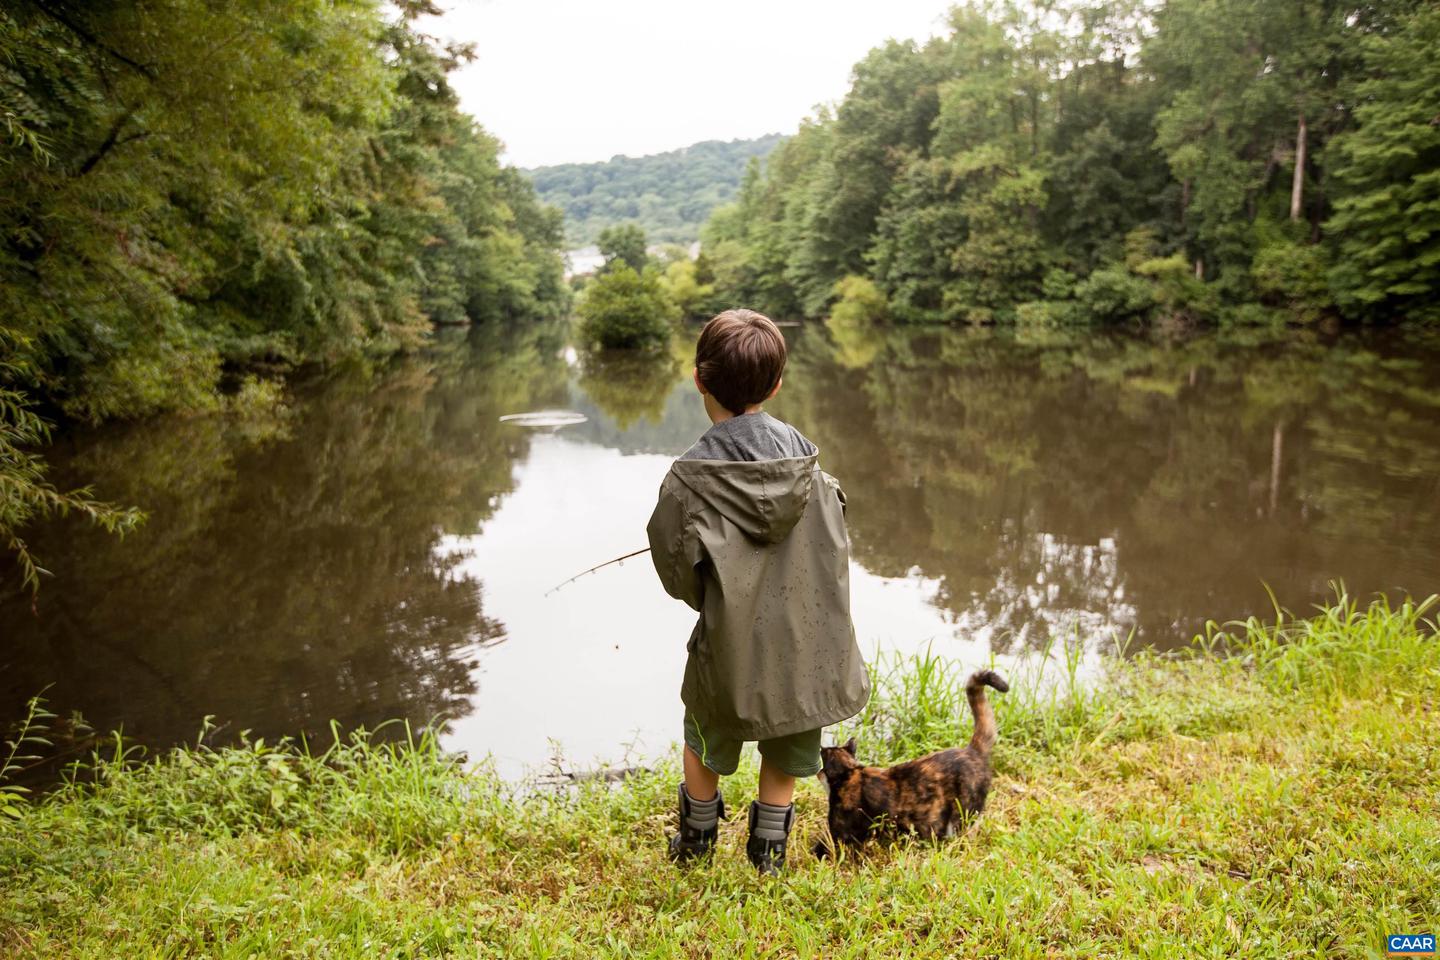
<point>929,797</point>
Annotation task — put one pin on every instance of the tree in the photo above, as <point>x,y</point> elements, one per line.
<point>623,308</point>
<point>1387,211</point>
<point>188,188</point>
<point>1034,139</point>
<point>623,245</point>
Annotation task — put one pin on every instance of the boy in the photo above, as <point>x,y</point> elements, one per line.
<point>750,532</point>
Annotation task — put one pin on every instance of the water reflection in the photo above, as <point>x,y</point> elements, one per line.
<point>289,573</point>
<point>629,385</point>
<point>362,557</point>
<point>1130,484</point>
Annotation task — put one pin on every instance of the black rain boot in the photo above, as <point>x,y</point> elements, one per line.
<point>769,832</point>
<point>699,824</point>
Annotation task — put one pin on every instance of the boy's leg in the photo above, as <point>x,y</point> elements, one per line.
<point>705,759</point>
<point>777,787</point>
<point>700,781</point>
<point>773,814</point>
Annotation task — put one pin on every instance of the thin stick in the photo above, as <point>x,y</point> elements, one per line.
<point>598,566</point>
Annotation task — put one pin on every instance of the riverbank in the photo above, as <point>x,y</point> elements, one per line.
<point>1270,794</point>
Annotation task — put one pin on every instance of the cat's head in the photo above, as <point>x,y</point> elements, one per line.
<point>835,762</point>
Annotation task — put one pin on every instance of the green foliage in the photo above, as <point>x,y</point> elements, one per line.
<point>858,302</point>
<point>916,234</point>
<point>188,187</point>
<point>624,245</point>
<point>1344,651</point>
<point>681,283</point>
<point>24,491</point>
<point>27,734</point>
<point>1179,293</point>
<point>668,194</point>
<point>960,174</point>
<point>1058,284</point>
<point>385,790</point>
<point>625,309</point>
<point>1387,212</point>
<point>1291,274</point>
<point>1002,257</point>
<point>1037,314</point>
<point>305,189</point>
<point>1113,294</point>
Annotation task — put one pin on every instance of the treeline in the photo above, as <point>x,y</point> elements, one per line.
<point>1230,160</point>
<point>669,195</point>
<point>192,190</point>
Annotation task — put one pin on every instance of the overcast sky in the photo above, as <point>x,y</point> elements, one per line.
<point>567,81</point>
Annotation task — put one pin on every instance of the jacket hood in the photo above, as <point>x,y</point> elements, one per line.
<point>764,498</point>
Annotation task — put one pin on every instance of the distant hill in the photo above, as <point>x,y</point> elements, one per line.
<point>668,194</point>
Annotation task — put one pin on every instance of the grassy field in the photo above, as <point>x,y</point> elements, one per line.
<point>1274,794</point>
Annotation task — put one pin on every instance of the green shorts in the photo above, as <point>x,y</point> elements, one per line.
<point>797,754</point>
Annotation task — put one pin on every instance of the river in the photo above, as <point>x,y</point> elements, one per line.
<point>383,546</point>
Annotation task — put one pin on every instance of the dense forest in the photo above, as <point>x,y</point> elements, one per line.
<point>669,195</point>
<point>1224,160</point>
<point>192,192</point>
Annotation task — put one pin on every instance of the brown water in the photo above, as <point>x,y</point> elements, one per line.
<point>383,548</point>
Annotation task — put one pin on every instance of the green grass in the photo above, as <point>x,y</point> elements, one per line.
<point>1274,794</point>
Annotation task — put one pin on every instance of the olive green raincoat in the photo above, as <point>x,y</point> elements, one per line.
<point>759,549</point>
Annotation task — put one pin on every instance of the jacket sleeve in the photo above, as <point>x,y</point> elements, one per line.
<point>675,549</point>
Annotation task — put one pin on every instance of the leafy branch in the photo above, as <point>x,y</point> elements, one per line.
<point>26,494</point>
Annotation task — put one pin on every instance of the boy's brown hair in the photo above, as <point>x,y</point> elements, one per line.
<point>739,358</point>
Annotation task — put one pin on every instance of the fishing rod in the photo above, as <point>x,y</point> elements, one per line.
<point>598,566</point>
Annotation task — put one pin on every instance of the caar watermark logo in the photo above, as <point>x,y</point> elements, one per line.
<point>1410,945</point>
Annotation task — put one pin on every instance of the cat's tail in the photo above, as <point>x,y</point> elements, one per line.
<point>984,736</point>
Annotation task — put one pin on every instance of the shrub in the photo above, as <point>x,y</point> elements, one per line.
<point>622,309</point>
<point>1292,275</point>
<point>1048,313</point>
<point>860,302</point>
<point>1059,284</point>
<point>682,285</point>
<point>1177,291</point>
<point>1113,294</point>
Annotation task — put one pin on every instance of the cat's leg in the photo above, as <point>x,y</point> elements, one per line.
<point>850,831</point>
<point>930,830</point>
<point>837,832</point>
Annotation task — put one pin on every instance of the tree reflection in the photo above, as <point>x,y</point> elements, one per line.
<point>630,384</point>
<point>1122,483</point>
<point>288,575</point>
